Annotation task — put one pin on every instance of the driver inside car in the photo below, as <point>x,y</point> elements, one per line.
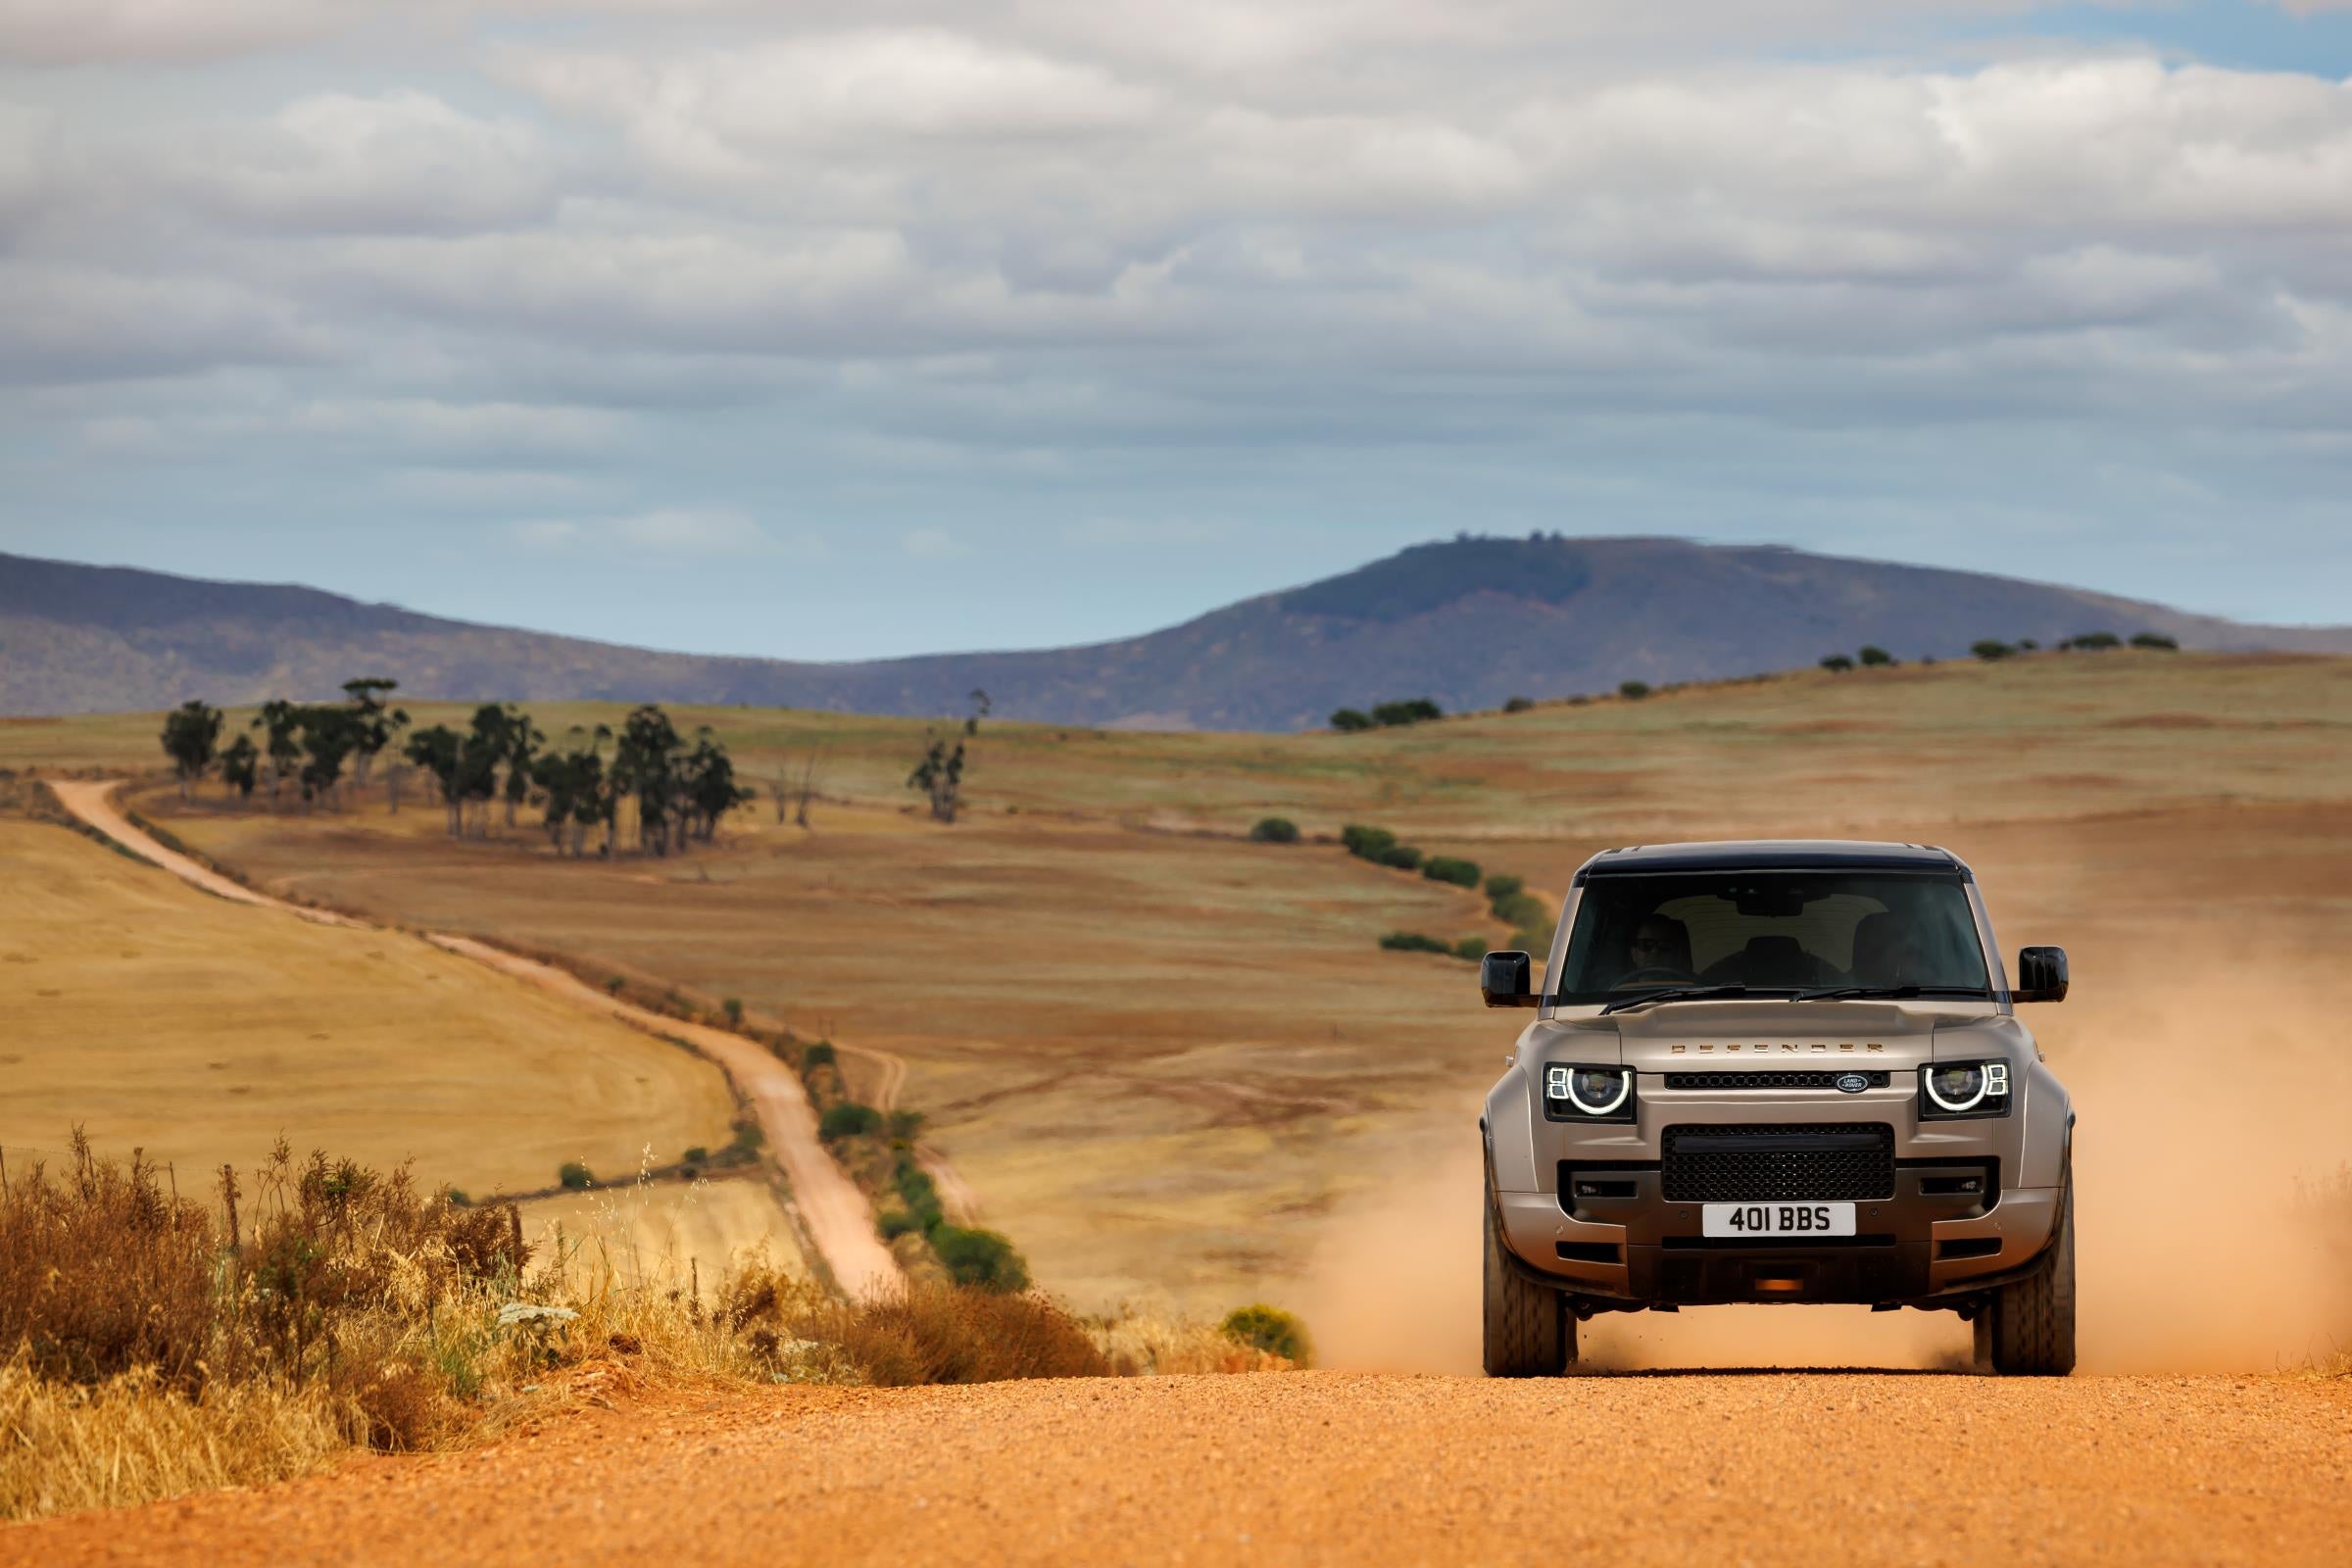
<point>1658,950</point>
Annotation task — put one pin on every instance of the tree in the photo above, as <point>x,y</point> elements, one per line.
<point>329,736</point>
<point>1348,720</point>
<point>191,732</point>
<point>800,785</point>
<point>239,766</point>
<point>1415,711</point>
<point>573,784</point>
<point>374,726</point>
<point>2156,640</point>
<point>1633,691</point>
<point>707,781</point>
<point>2093,642</point>
<point>645,765</point>
<point>1837,663</point>
<point>522,740</point>
<point>1874,657</point>
<point>940,777</point>
<point>1989,648</point>
<point>438,750</point>
<point>280,721</point>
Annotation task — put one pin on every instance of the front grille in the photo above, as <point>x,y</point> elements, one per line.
<point>1767,1161</point>
<point>1766,1079</point>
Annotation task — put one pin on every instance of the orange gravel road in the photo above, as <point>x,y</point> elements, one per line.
<point>1820,1469</point>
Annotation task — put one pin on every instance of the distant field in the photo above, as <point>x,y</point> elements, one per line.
<point>1174,1063</point>
<point>200,1030</point>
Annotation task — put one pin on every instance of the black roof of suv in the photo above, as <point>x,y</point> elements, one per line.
<point>1771,854</point>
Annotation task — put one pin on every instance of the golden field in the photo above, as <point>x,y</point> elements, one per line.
<point>1173,1064</point>
<point>202,1031</point>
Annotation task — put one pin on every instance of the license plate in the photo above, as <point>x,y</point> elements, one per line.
<point>1777,1219</point>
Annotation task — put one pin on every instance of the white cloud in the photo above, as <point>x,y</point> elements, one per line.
<point>933,544</point>
<point>664,533</point>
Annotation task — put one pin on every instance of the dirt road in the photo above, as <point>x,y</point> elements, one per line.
<point>1818,1468</point>
<point>839,1218</point>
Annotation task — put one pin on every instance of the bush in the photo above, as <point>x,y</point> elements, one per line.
<point>573,1176</point>
<point>984,1260</point>
<point>1272,1330</point>
<point>2093,642</point>
<point>1402,856</point>
<point>1837,663</point>
<point>906,1126</point>
<point>1274,830</point>
<point>1418,711</point>
<point>1367,843</point>
<point>2156,640</point>
<point>898,1222</point>
<point>698,1155</point>
<point>1521,910</point>
<point>1518,704</point>
<point>1471,948</point>
<point>733,1008</point>
<point>2027,644</point>
<point>1991,649</point>
<point>1348,720</point>
<point>819,1055</point>
<point>1415,942</point>
<point>1501,885</point>
<point>1447,868</point>
<point>940,1334</point>
<point>1633,691</point>
<point>847,1120</point>
<point>1874,656</point>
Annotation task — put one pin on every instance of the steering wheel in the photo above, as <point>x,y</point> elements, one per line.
<point>1654,972</point>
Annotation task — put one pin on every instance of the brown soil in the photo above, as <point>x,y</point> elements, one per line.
<point>1818,1468</point>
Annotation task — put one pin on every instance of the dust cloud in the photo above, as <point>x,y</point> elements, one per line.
<point>2213,1082</point>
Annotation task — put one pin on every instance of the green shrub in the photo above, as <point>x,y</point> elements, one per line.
<point>1518,704</point>
<point>1990,648</point>
<point>1419,709</point>
<point>1534,939</point>
<point>1348,720</point>
<point>847,1120</point>
<point>1272,1330</point>
<point>698,1155</point>
<point>2093,641</point>
<point>733,1008</point>
<point>1402,856</point>
<point>1501,887</point>
<point>1633,691</point>
<point>921,1195</point>
<point>1415,942</point>
<point>906,1126</point>
<point>1521,910</point>
<point>1366,842</point>
<point>1274,830</point>
<point>2156,640</point>
<point>459,1199</point>
<point>613,983</point>
<point>572,1176</point>
<point>898,1222</point>
<point>1447,868</point>
<point>1875,655</point>
<point>982,1260</point>
<point>1837,663</point>
<point>1471,948</point>
<point>819,1055</point>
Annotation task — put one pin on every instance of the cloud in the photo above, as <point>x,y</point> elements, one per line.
<point>664,533</point>
<point>933,544</point>
<point>74,32</point>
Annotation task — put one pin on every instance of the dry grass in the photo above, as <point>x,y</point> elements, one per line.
<point>150,1345</point>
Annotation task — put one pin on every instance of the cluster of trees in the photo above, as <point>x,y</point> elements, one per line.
<point>939,773</point>
<point>306,744</point>
<point>681,790</point>
<point>1386,715</point>
<point>2090,642</point>
<point>1869,656</point>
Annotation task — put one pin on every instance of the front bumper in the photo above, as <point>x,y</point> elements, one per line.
<point>1909,1248</point>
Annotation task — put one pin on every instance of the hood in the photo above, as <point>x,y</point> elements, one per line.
<point>1682,1036</point>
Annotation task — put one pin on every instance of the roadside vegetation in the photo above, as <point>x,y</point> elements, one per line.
<point>151,1343</point>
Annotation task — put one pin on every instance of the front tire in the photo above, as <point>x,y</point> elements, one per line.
<point>1529,1332</point>
<point>2028,1328</point>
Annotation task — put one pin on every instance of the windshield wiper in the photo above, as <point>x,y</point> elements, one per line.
<point>1678,994</point>
<point>1884,992</point>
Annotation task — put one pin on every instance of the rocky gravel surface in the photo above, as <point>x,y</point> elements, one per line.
<point>1763,1467</point>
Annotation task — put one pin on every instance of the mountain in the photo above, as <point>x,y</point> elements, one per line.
<point>1467,621</point>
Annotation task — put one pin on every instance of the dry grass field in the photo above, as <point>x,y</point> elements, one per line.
<point>1174,1064</point>
<point>202,1031</point>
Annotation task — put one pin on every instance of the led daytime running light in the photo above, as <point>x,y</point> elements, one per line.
<point>1559,1083</point>
<point>1992,1079</point>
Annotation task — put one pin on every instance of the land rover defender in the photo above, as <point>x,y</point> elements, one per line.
<point>1777,1072</point>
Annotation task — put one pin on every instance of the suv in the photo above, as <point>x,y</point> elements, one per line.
<point>1777,1072</point>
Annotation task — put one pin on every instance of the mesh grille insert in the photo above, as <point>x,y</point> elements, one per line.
<point>1767,1080</point>
<point>1768,1161</point>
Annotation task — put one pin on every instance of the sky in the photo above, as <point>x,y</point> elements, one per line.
<point>832,330</point>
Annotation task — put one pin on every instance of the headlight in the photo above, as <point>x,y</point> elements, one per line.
<point>1953,1089</point>
<point>1573,1093</point>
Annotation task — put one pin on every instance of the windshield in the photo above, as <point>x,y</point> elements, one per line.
<point>1772,930</point>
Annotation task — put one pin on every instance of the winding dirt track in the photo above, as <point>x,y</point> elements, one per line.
<point>839,1218</point>
<point>1814,1468</point>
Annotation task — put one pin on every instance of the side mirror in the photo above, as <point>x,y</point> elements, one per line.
<point>1507,980</point>
<point>2040,975</point>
